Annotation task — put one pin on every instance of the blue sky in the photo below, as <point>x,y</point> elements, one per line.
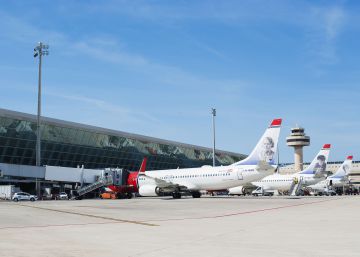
<point>157,67</point>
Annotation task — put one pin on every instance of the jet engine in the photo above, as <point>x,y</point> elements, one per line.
<point>241,190</point>
<point>236,190</point>
<point>149,190</point>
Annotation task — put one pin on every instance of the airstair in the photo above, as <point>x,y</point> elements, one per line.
<point>104,181</point>
<point>109,176</point>
<point>296,186</point>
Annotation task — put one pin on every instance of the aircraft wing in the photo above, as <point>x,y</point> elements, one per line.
<point>163,183</point>
<point>167,184</point>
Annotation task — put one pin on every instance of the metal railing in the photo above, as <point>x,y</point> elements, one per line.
<point>102,182</point>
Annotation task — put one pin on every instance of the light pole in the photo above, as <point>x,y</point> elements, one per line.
<point>213,112</point>
<point>40,50</point>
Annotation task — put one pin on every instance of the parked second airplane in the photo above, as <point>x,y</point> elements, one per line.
<point>338,179</point>
<point>314,173</point>
<point>257,165</point>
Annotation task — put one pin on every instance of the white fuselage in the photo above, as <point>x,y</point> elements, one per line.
<point>284,182</point>
<point>205,178</point>
<point>336,182</point>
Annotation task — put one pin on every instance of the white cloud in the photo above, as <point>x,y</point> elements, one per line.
<point>209,49</point>
<point>100,52</point>
<point>222,11</point>
<point>324,29</point>
<point>334,19</point>
<point>18,30</point>
<point>121,113</point>
<point>321,22</point>
<point>110,50</point>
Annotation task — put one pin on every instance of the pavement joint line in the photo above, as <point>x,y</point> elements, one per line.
<point>92,216</point>
<point>241,213</point>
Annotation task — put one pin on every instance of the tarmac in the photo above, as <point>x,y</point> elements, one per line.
<point>209,226</point>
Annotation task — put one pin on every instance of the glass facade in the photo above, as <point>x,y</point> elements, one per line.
<point>70,144</point>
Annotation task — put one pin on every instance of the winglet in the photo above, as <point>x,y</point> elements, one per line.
<point>143,165</point>
<point>349,157</point>
<point>327,146</point>
<point>276,123</point>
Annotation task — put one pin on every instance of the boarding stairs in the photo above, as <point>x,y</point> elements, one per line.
<point>296,186</point>
<point>105,181</point>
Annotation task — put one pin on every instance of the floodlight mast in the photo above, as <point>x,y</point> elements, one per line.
<point>40,50</point>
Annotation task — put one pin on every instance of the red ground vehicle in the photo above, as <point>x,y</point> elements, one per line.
<point>108,195</point>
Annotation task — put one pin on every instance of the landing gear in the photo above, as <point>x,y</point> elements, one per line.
<point>127,195</point>
<point>176,195</point>
<point>196,194</point>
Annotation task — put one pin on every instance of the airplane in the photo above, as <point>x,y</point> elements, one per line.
<point>314,173</point>
<point>338,179</point>
<point>257,165</point>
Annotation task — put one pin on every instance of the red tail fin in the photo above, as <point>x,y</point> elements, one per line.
<point>143,165</point>
<point>327,146</point>
<point>276,122</point>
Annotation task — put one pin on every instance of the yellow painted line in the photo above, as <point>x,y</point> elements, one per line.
<point>92,216</point>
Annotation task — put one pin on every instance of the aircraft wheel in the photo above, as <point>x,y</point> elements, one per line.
<point>176,195</point>
<point>196,194</point>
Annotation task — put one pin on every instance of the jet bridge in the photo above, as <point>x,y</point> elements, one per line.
<point>116,177</point>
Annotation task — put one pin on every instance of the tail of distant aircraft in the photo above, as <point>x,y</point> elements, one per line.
<point>265,150</point>
<point>143,165</point>
<point>318,165</point>
<point>344,169</point>
<point>132,179</point>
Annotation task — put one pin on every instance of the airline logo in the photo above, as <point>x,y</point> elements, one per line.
<point>344,168</point>
<point>265,149</point>
<point>318,165</point>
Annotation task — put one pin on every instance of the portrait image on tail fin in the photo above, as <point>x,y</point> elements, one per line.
<point>346,168</point>
<point>320,166</point>
<point>267,152</point>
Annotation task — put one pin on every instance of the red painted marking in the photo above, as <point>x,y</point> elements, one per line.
<point>276,122</point>
<point>327,146</point>
<point>350,157</point>
<point>242,213</point>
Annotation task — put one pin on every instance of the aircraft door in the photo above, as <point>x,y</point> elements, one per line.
<point>239,175</point>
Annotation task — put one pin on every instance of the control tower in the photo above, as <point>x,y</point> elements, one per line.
<point>298,140</point>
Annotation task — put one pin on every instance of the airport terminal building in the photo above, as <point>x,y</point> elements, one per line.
<point>70,144</point>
